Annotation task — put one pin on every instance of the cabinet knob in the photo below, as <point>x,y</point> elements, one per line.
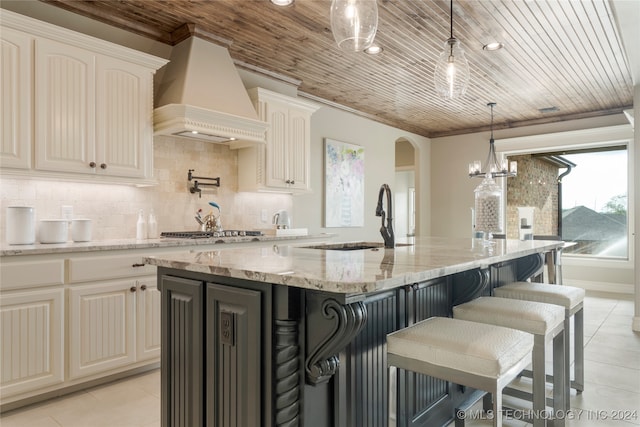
<point>92,164</point>
<point>133,289</point>
<point>103,165</point>
<point>292,182</point>
<point>143,287</point>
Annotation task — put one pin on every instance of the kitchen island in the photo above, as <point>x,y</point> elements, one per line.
<point>295,334</point>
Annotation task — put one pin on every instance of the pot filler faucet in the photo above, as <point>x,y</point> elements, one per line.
<point>386,231</point>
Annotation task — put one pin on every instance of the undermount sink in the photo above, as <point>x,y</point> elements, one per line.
<point>352,246</point>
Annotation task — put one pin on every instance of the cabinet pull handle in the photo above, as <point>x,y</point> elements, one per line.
<point>103,165</point>
<point>92,164</point>
<point>137,265</point>
<point>143,287</point>
<point>132,289</point>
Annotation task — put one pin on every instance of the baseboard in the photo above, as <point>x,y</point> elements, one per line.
<point>609,287</point>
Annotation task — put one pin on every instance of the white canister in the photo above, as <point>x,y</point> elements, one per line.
<point>81,230</point>
<point>21,225</point>
<point>53,230</point>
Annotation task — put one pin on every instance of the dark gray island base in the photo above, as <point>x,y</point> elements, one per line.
<point>296,336</point>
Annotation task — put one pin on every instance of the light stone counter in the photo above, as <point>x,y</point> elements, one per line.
<point>356,271</point>
<point>123,244</point>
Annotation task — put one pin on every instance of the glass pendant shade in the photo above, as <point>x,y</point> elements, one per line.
<point>354,23</point>
<point>452,71</point>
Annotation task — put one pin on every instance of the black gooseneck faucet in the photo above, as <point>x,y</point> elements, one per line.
<point>386,231</point>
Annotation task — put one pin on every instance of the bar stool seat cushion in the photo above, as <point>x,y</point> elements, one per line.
<point>567,296</point>
<point>533,317</point>
<point>476,348</point>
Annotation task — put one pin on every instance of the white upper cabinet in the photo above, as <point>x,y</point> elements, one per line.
<point>283,164</point>
<point>15,99</point>
<point>92,105</point>
<point>65,107</point>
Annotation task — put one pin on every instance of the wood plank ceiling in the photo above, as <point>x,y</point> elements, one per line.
<point>562,56</point>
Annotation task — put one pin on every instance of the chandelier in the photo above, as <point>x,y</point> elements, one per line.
<point>452,69</point>
<point>491,167</point>
<point>354,23</point>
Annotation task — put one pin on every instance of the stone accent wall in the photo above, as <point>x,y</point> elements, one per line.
<point>536,185</point>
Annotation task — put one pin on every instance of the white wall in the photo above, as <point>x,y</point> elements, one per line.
<point>379,143</point>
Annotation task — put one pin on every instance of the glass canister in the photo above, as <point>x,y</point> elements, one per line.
<point>488,212</point>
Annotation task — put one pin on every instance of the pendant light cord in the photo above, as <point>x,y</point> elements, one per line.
<point>492,104</point>
<point>451,17</point>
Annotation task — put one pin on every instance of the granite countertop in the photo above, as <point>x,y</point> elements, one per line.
<point>356,271</point>
<point>119,244</point>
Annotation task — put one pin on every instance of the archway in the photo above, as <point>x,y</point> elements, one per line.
<point>406,192</point>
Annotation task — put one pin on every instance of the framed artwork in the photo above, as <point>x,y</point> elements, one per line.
<point>344,184</point>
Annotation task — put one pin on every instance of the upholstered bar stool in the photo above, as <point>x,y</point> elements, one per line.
<point>467,353</point>
<point>545,322</point>
<point>572,299</point>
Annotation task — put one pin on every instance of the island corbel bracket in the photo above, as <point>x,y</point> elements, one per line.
<point>330,327</point>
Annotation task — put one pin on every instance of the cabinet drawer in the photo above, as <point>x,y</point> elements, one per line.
<point>31,274</point>
<point>108,267</point>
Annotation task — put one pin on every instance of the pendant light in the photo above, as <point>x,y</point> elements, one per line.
<point>452,69</point>
<point>492,168</point>
<point>354,23</point>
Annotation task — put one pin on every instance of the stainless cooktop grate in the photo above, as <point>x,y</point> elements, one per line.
<point>208,234</point>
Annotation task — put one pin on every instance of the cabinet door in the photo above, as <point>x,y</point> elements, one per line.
<point>234,356</point>
<point>147,320</point>
<point>31,340</point>
<point>124,106</point>
<point>277,145</point>
<point>15,99</point>
<point>182,362</point>
<point>297,152</point>
<point>101,327</point>
<point>64,107</point>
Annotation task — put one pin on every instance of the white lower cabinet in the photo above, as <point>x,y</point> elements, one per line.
<point>31,340</point>
<point>70,319</point>
<point>114,314</point>
<point>147,320</point>
<point>101,327</point>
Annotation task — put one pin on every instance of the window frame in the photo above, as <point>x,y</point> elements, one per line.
<point>582,139</point>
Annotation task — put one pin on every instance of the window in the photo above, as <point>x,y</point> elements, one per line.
<point>577,195</point>
<point>595,203</point>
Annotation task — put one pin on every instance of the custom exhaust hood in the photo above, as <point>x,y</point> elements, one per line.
<point>202,96</point>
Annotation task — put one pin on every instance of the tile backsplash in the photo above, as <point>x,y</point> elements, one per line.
<point>114,208</point>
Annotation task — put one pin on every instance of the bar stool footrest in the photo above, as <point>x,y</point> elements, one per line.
<point>466,404</point>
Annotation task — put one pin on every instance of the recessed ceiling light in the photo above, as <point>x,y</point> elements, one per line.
<point>282,2</point>
<point>493,46</point>
<point>373,50</point>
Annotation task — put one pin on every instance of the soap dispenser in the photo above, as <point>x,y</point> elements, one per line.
<point>141,227</point>
<point>152,226</point>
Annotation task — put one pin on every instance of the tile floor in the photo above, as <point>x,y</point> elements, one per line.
<point>612,366</point>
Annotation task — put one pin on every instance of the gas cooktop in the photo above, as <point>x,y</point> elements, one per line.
<point>208,234</point>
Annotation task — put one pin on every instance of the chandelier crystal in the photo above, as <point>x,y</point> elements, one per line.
<point>354,23</point>
<point>451,75</point>
<point>492,168</point>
